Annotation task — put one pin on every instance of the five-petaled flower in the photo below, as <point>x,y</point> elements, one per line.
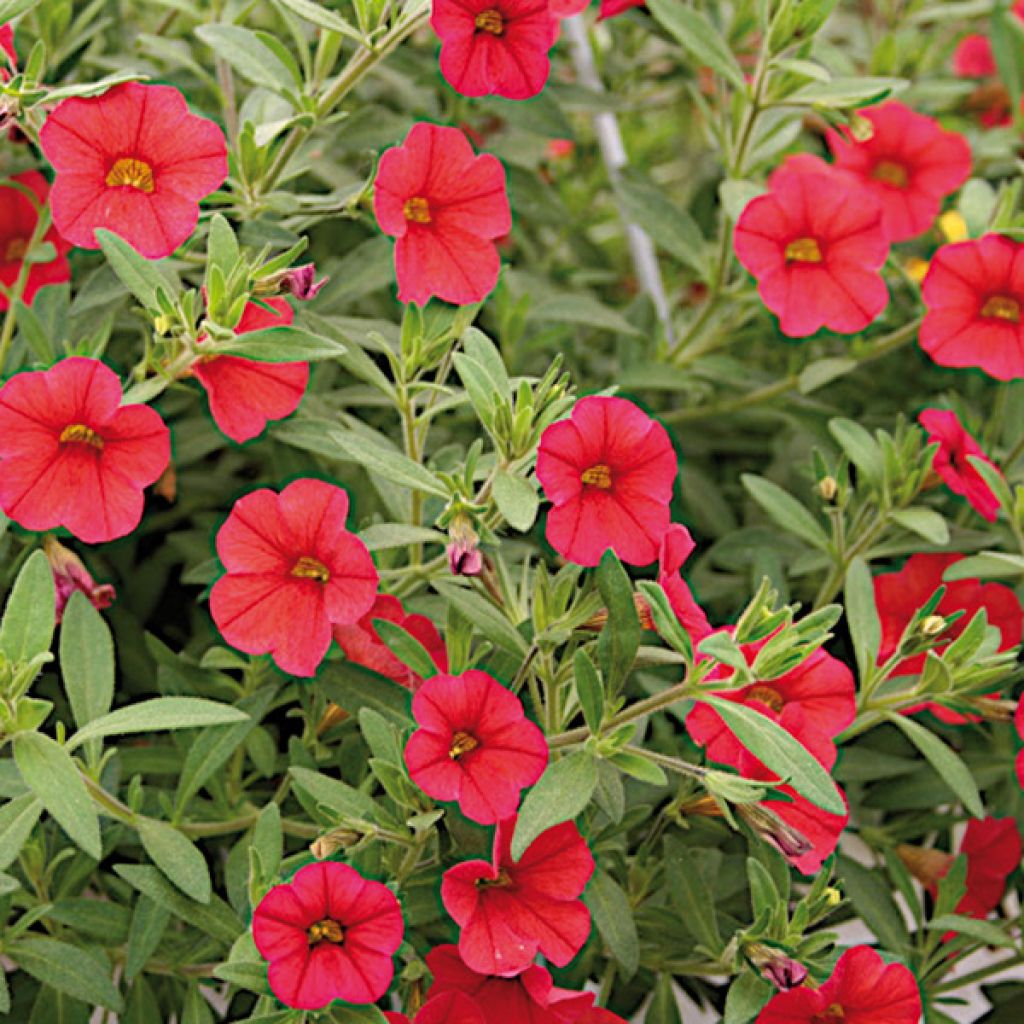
<point>328,934</point>
<point>444,205</point>
<point>815,242</point>
<point>495,46</point>
<point>974,292</point>
<point>71,455</point>
<point>909,164</point>
<point>509,910</point>
<point>863,989</point>
<point>133,161</point>
<point>245,394</point>
<point>474,745</point>
<point>952,464</point>
<point>608,471</point>
<point>19,216</point>
<point>450,1007</point>
<point>293,572</point>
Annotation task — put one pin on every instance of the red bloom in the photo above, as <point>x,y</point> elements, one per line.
<point>676,547</point>
<point>973,57</point>
<point>566,9</point>
<point>495,46</point>
<point>7,47</point>
<point>863,989</point>
<point>993,850</point>
<point>133,161</point>
<point>951,462</point>
<point>448,1008</point>
<point>69,575</point>
<point>71,455</point>
<point>474,745</point>
<point>974,292</point>
<point>444,205</point>
<point>293,572</point>
<point>1018,724</point>
<point>245,394</point>
<point>613,8</point>
<point>329,934</point>
<point>362,643</point>
<point>608,471</point>
<point>18,219</point>
<point>510,910</point>
<point>909,165</point>
<point>815,243</point>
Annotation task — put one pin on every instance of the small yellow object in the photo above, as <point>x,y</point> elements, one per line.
<point>953,226</point>
<point>162,324</point>
<point>833,897</point>
<point>131,173</point>
<point>933,625</point>
<point>916,268</point>
<point>803,250</point>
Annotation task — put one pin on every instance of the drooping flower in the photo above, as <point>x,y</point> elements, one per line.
<point>447,1008</point>
<point>133,161</point>
<point>299,282</point>
<point>495,47</point>
<point>70,575</point>
<point>608,471</point>
<point>445,206</point>
<point>676,547</point>
<point>815,242</point>
<point>18,219</point>
<point>909,164</point>
<point>863,989</point>
<point>293,572</point>
<point>951,460</point>
<point>509,910</point>
<point>328,934</point>
<point>974,292</point>
<point>362,643</point>
<point>245,394</point>
<point>71,455</point>
<point>474,745</point>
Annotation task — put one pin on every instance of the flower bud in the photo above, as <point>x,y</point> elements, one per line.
<point>331,842</point>
<point>777,967</point>
<point>69,575</point>
<point>927,865</point>
<point>464,557</point>
<point>299,282</point>
<point>770,827</point>
<point>933,625</point>
<point>827,488</point>
<point>861,128</point>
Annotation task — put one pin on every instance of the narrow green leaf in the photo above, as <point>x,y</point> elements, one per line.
<point>862,615</point>
<point>67,969</point>
<point>17,819</point>
<point>692,873</point>
<point>873,901</point>
<point>177,857</point>
<point>406,648</point>
<point>322,17</point>
<point>248,55</point>
<point>10,9</point>
<point>987,932</point>
<point>589,690</point>
<point>785,510</point>
<point>517,500</point>
<point>746,996</point>
<point>615,921</point>
<point>335,795</point>
<point>487,619</point>
<point>925,522</point>
<point>283,344</point>
<point>159,715</point>
<point>699,38</point>
<point>620,637</point>
<point>562,792</point>
<point>860,447</point>
<point>139,275</point>
<point>86,660</point>
<point>149,921</point>
<point>664,1005</point>
<point>29,617</point>
<point>389,464</point>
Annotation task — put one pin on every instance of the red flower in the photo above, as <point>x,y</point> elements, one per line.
<point>474,745</point>
<point>7,47</point>
<point>18,219</point>
<point>566,9</point>
<point>1018,724</point>
<point>69,575</point>
<point>495,46</point>
<point>815,243</point>
<point>951,462</point>
<point>245,394</point>
<point>863,989</point>
<point>133,161</point>
<point>974,292</point>
<point>608,471</point>
<point>293,572</point>
<point>71,455</point>
<point>613,8</point>
<point>909,165</point>
<point>973,57</point>
<point>444,205</point>
<point>676,547</point>
<point>329,934</point>
<point>362,643</point>
<point>448,1008</point>
<point>510,910</point>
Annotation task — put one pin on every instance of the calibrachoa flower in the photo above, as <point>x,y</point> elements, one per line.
<point>974,292</point>
<point>676,547</point>
<point>495,46</point>
<point>863,989</point>
<point>474,745</point>
<point>18,219</point>
<point>815,242</point>
<point>69,575</point>
<point>362,643</point>
<point>510,910</point>
<point>328,934</point>
<point>909,164</point>
<point>973,57</point>
<point>444,205</point>
<point>71,455</point>
<point>7,47</point>
<point>133,161</point>
<point>1018,724</point>
<point>608,471</point>
<point>245,394</point>
<point>293,572</point>
<point>447,1008</point>
<point>951,460</point>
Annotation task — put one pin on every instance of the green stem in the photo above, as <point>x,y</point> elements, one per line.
<point>979,975</point>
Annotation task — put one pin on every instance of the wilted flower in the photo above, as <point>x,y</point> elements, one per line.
<point>69,575</point>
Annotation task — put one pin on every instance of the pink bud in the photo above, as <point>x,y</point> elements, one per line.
<point>300,282</point>
<point>69,575</point>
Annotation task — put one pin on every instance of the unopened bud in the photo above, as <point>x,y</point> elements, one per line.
<point>916,269</point>
<point>933,625</point>
<point>953,226</point>
<point>927,865</point>
<point>162,324</point>
<point>299,282</point>
<point>770,827</point>
<point>833,897</point>
<point>333,841</point>
<point>777,967</point>
<point>69,575</point>
<point>828,488</point>
<point>464,556</point>
<point>598,620</point>
<point>861,128</point>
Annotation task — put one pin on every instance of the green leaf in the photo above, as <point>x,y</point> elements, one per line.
<point>406,648</point>
<point>382,536</point>
<point>337,796</point>
<point>139,275</point>
<point>860,448</point>
<point>86,660</point>
<point>987,932</point>
<point>484,616</point>
<point>517,500</point>
<point>177,857</point>
<point>873,901</point>
<point>566,308</point>
<point>699,38</point>
<point>664,1005</point>
<point>149,921</point>
<point>639,767</point>
<point>221,245</point>
<point>780,752</point>
<point>946,763</point>
<point>620,637</point>
<point>692,874</point>
<point>159,715</point>
<point>823,371</point>
<point>669,628</point>
<point>925,522</point>
<point>615,921</point>
<point>322,17</point>
<point>17,819</point>
<point>279,345</point>
<point>844,93</point>
<point>389,464</point>
<point>670,227</point>
<point>352,687</point>
<point>862,615</point>
<point>745,998</point>
<point>562,793</point>
<point>10,9</point>
<point>785,510</point>
<point>67,969</point>
<point>988,565</point>
<point>249,56</point>
<point>51,774</point>
<point>29,617</point>
<point>1007,46</point>
<point>589,690</point>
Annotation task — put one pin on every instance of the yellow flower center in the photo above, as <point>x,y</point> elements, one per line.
<point>79,433</point>
<point>803,250</point>
<point>417,210</point>
<point>490,21</point>
<point>767,695</point>
<point>891,173</point>
<point>833,1015</point>
<point>327,930</point>
<point>1002,307</point>
<point>307,568</point>
<point>503,881</point>
<point>16,249</point>
<point>462,743</point>
<point>599,476</point>
<point>131,173</point>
